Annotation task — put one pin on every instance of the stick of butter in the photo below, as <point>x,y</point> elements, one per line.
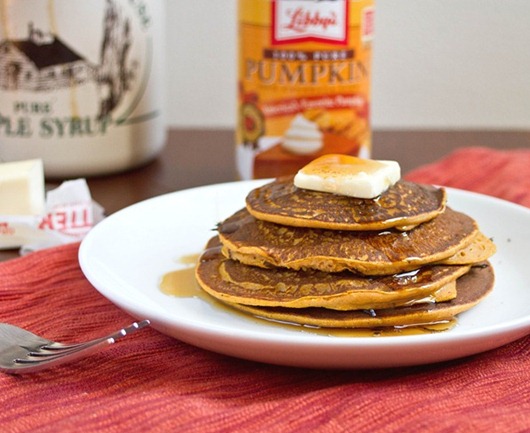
<point>22,188</point>
<point>348,175</point>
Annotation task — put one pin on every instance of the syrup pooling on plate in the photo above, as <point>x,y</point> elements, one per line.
<point>182,283</point>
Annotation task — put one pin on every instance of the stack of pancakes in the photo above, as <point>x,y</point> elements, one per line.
<point>319,259</point>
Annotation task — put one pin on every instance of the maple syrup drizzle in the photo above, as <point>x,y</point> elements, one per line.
<point>182,283</point>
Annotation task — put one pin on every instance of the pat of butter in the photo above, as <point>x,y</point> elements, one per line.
<point>22,188</point>
<point>348,175</point>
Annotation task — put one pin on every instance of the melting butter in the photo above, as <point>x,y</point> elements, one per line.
<point>348,175</point>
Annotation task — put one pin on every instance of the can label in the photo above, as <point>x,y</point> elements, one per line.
<point>80,83</point>
<point>304,83</point>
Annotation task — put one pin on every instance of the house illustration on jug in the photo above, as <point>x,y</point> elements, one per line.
<point>41,62</point>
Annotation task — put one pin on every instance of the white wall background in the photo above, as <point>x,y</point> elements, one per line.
<point>445,64</point>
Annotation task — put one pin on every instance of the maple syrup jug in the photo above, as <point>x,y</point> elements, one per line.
<point>304,83</point>
<point>81,84</point>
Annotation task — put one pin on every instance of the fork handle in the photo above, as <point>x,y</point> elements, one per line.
<point>128,330</point>
<point>109,339</point>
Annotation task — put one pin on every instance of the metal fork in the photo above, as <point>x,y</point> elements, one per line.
<point>24,352</point>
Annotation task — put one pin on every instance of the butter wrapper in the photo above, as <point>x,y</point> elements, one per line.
<point>15,230</point>
<point>69,215</point>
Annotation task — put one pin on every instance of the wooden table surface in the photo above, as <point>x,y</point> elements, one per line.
<point>200,157</point>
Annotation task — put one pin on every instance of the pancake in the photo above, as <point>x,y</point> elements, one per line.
<point>403,205</point>
<point>234,282</point>
<point>479,250</point>
<point>472,288</point>
<point>264,244</point>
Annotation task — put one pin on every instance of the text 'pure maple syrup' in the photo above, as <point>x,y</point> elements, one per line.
<point>304,83</point>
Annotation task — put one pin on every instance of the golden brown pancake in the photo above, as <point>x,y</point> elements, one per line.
<point>265,244</point>
<point>403,205</point>
<point>234,282</point>
<point>472,288</point>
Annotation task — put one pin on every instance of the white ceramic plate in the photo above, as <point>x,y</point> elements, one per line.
<point>126,255</point>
